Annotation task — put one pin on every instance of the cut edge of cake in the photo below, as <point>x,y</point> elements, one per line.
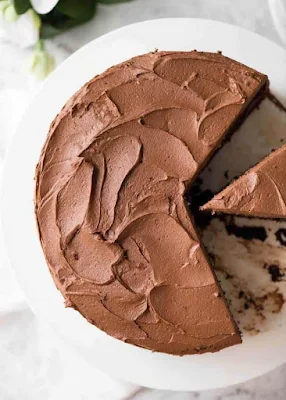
<point>260,192</point>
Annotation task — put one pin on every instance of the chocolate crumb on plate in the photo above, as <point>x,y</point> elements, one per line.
<point>274,272</point>
<point>226,174</point>
<point>245,232</point>
<point>281,236</point>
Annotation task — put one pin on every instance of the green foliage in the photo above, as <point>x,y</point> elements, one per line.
<point>77,9</point>
<point>21,6</point>
<point>67,14</point>
<point>112,1</point>
<point>48,31</point>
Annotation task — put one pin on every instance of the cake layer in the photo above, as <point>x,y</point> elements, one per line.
<point>110,186</point>
<point>260,192</point>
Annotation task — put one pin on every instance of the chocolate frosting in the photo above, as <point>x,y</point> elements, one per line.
<point>110,183</point>
<point>260,192</point>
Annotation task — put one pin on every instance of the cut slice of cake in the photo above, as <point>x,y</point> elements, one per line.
<point>110,183</point>
<point>260,192</point>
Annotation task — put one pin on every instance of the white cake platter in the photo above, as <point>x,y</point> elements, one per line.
<point>259,353</point>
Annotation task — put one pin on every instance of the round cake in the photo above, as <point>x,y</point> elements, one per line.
<point>115,229</point>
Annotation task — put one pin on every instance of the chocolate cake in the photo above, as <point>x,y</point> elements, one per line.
<point>260,192</point>
<point>110,184</point>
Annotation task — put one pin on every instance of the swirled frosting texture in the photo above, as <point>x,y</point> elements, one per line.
<point>109,199</point>
<point>260,192</point>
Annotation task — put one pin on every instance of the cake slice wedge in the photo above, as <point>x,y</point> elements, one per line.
<point>260,192</point>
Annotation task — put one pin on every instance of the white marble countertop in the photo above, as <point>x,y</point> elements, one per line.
<point>251,14</point>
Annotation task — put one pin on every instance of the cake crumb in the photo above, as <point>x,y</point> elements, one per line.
<point>281,236</point>
<point>274,272</point>
<point>244,232</point>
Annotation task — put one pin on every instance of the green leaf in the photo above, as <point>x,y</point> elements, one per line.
<point>21,6</point>
<point>57,21</point>
<point>48,31</point>
<point>112,1</point>
<point>80,10</point>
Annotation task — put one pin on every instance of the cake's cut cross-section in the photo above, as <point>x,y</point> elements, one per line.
<point>260,192</point>
<point>110,186</point>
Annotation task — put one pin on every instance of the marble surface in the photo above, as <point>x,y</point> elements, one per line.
<point>251,14</point>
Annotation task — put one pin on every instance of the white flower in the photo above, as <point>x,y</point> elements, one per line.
<point>44,6</point>
<point>22,30</point>
<point>42,63</point>
<point>8,11</point>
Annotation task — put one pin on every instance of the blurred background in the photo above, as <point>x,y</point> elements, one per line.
<point>32,42</point>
